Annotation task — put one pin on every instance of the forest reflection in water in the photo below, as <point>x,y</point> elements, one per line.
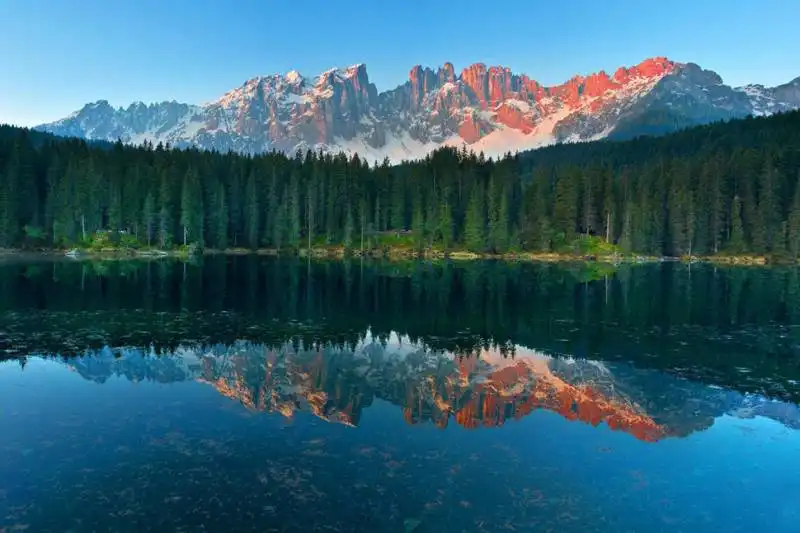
<point>732,327</point>
<point>253,394</point>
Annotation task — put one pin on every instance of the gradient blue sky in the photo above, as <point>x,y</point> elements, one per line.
<point>60,54</point>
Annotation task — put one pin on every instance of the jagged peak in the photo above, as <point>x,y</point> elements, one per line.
<point>293,76</point>
<point>651,67</point>
<point>98,104</point>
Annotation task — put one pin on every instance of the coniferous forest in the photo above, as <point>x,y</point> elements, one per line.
<point>724,188</point>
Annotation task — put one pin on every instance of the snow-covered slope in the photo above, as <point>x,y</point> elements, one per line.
<point>490,109</point>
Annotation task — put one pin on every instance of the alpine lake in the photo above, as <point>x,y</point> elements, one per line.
<point>250,393</point>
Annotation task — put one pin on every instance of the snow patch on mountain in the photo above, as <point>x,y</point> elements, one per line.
<point>397,148</point>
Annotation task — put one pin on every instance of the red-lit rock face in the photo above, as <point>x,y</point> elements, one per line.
<point>515,117</point>
<point>491,89</point>
<point>474,77</point>
<point>434,106</point>
<point>470,129</point>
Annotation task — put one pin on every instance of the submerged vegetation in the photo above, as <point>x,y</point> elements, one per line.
<point>728,190</point>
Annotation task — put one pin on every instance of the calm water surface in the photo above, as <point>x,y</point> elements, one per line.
<point>255,394</point>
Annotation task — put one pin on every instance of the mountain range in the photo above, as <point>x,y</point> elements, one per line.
<point>489,109</point>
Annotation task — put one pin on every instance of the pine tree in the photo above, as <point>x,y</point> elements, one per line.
<point>349,230</point>
<point>475,224</point>
<point>294,214</point>
<point>418,221</point>
<point>192,209</point>
<point>115,205</point>
<point>165,220</point>
<point>51,202</point>
<point>626,237</point>
<point>311,210</point>
<point>497,216</point>
<point>280,228</point>
<point>270,208</point>
<point>222,218</point>
<point>235,204</point>
<point>253,212</point>
<point>149,217</point>
<point>793,230</point>
<point>736,242</point>
<point>446,228</point>
<point>9,205</point>
<point>713,179</point>
<point>609,205</point>
<point>432,223</point>
<point>565,208</point>
<point>64,216</point>
<point>398,207</point>
<point>767,206</point>
<point>501,227</point>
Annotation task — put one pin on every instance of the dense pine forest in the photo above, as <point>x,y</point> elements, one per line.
<point>724,188</point>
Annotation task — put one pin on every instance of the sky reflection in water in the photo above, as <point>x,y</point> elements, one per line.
<point>245,437</point>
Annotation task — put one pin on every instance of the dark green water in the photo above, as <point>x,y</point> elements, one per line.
<point>255,394</point>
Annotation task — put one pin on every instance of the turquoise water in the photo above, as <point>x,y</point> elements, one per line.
<point>314,418</point>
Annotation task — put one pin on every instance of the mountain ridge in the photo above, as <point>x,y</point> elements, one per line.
<point>487,108</point>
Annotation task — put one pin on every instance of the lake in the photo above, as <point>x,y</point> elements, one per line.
<point>249,393</point>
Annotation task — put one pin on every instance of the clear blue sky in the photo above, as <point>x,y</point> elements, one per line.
<point>57,55</point>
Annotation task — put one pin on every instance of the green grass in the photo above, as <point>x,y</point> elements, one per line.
<point>590,245</point>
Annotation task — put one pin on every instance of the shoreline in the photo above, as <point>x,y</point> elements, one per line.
<point>394,254</point>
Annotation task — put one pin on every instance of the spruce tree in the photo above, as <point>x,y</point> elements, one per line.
<point>793,230</point>
<point>191,209</point>
<point>475,224</point>
<point>294,213</point>
<point>418,228</point>
<point>253,212</point>
<point>9,206</point>
<point>149,217</point>
<point>165,216</point>
<point>398,207</point>
<point>222,218</point>
<point>349,230</point>
<point>736,242</point>
<point>280,228</point>
<point>446,228</point>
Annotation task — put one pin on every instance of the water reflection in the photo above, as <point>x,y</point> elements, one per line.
<point>734,328</point>
<point>479,390</point>
<point>389,436</point>
<point>258,395</point>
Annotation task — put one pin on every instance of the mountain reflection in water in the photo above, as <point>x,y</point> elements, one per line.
<point>265,395</point>
<point>484,389</point>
